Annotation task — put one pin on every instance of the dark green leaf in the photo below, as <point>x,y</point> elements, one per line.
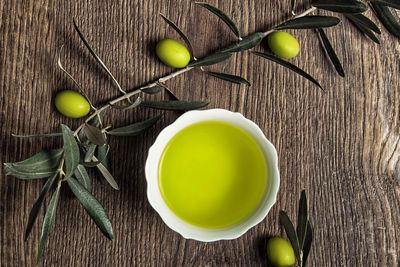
<point>169,92</point>
<point>40,165</point>
<point>181,33</point>
<point>302,219</point>
<point>211,59</point>
<point>134,104</point>
<point>363,20</point>
<point>103,152</point>
<point>220,14</point>
<point>48,221</point>
<point>38,204</point>
<point>289,66</point>
<point>90,150</point>
<point>307,243</point>
<point>152,90</point>
<point>92,206</point>
<point>71,151</point>
<point>94,163</point>
<point>246,43</point>
<point>290,232</point>
<point>390,3</point>
<point>96,57</point>
<point>309,22</point>
<point>94,134</point>
<point>37,135</point>
<point>388,19</point>
<point>82,177</point>
<point>107,175</point>
<point>229,77</point>
<point>175,104</point>
<point>326,44</point>
<point>365,30</point>
<point>341,6</point>
<point>134,129</point>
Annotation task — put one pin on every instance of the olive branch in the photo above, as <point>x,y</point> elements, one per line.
<point>87,146</point>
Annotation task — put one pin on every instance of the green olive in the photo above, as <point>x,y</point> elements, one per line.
<point>173,53</point>
<point>280,252</point>
<point>72,104</point>
<point>283,44</point>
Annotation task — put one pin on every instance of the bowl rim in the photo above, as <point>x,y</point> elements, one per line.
<point>185,229</point>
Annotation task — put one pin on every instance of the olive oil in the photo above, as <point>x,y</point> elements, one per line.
<point>213,175</point>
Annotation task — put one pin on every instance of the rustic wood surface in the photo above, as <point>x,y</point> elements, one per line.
<point>341,145</point>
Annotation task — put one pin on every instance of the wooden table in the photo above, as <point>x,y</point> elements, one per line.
<point>342,145</point>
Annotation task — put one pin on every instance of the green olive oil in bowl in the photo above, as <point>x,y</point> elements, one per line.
<point>213,175</point>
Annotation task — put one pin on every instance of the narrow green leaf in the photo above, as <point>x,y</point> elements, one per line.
<point>38,204</point>
<point>302,219</point>
<point>175,104</point>
<point>134,104</point>
<point>94,163</point>
<point>246,43</point>
<point>96,57</point>
<point>309,22</point>
<point>152,90</point>
<point>307,243</point>
<point>181,34</point>
<point>211,59</point>
<point>40,165</point>
<point>171,95</point>
<point>90,150</point>
<point>48,221</point>
<point>341,6</point>
<point>289,66</point>
<point>92,206</point>
<point>388,19</point>
<point>94,134</point>
<point>37,135</point>
<point>330,52</point>
<point>135,128</point>
<point>71,151</point>
<point>107,175</point>
<point>82,177</point>
<point>365,21</point>
<point>229,77</point>
<point>363,29</point>
<point>390,3</point>
<point>220,14</point>
<point>291,233</point>
<point>103,152</point>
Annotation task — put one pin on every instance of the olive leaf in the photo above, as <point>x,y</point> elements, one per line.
<point>93,163</point>
<point>364,21</point>
<point>37,135</point>
<point>364,29</point>
<point>135,128</point>
<point>82,177</point>
<point>48,221</point>
<point>302,220</point>
<point>288,65</point>
<point>103,152</point>
<point>388,19</point>
<point>90,150</point>
<point>246,43</point>
<point>291,233</point>
<point>390,3</point>
<point>40,165</point>
<point>220,14</point>
<point>152,90</point>
<point>175,104</point>
<point>94,134</point>
<point>38,204</point>
<point>309,22</point>
<point>307,243</point>
<point>330,51</point>
<point>169,92</point>
<point>211,59</point>
<point>71,151</point>
<point>96,57</point>
<point>341,6</point>
<point>92,206</point>
<point>229,77</point>
<point>106,174</point>
<point>181,34</point>
<point>132,105</point>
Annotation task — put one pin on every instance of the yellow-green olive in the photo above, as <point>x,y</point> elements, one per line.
<point>173,53</point>
<point>72,104</point>
<point>283,44</point>
<point>280,252</point>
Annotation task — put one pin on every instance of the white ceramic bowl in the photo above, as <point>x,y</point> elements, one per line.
<point>177,224</point>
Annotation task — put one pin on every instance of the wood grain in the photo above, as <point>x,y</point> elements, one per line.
<point>342,145</point>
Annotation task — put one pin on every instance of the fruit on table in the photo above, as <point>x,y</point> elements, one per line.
<point>72,104</point>
<point>280,252</point>
<point>283,44</point>
<point>173,53</point>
